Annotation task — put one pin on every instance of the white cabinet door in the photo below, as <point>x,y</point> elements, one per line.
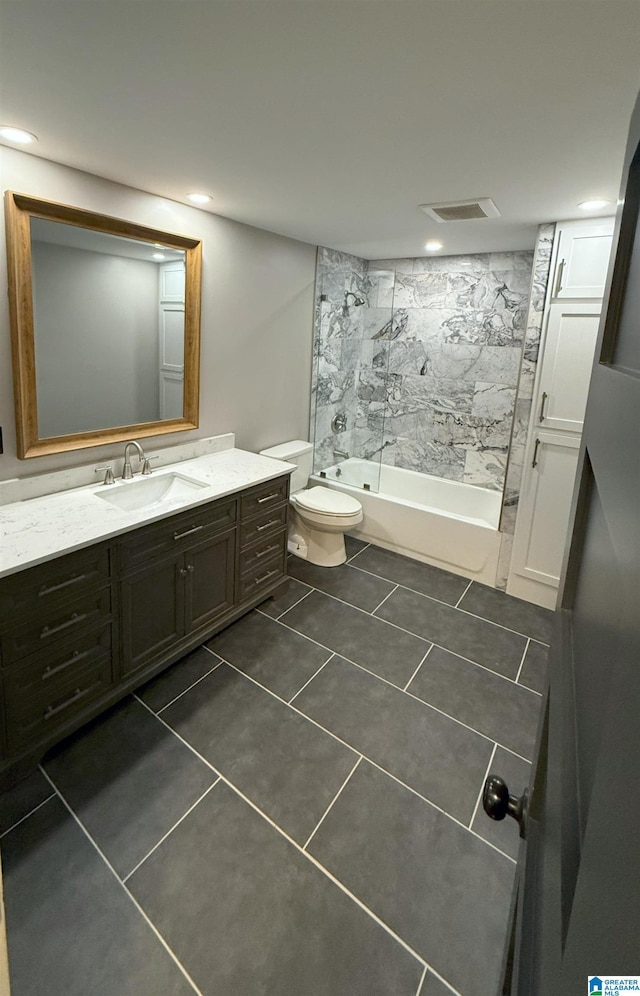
<point>171,339</point>
<point>543,515</point>
<point>582,259</point>
<point>570,342</point>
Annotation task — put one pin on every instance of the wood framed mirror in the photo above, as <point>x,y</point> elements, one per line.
<point>105,327</point>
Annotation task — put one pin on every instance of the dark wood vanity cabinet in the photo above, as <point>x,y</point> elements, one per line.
<point>80,632</point>
<point>174,597</point>
<point>58,645</point>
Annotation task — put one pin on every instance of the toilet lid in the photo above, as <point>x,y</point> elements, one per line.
<point>330,502</point>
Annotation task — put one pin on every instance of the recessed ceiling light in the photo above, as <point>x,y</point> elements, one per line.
<point>433,246</point>
<point>593,205</point>
<point>158,255</point>
<point>17,135</point>
<point>199,198</point>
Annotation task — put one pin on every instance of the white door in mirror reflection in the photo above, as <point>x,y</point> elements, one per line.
<point>171,344</point>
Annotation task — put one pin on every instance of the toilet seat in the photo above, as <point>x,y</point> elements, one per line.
<point>323,501</point>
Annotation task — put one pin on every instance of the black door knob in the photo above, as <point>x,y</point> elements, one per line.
<point>498,803</point>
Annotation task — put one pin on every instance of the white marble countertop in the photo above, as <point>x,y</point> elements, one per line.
<point>40,529</point>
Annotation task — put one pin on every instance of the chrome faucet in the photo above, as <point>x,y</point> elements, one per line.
<point>127,472</point>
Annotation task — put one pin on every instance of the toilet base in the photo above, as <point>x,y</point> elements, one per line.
<point>323,549</point>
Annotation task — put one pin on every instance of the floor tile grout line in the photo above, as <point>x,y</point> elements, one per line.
<point>358,552</point>
<point>522,662</point>
<point>407,587</point>
<point>450,989</point>
<point>134,901</point>
<point>398,688</point>
<point>409,633</point>
<point>331,804</point>
<point>279,619</point>
<point>27,815</point>
<point>355,750</point>
<point>417,636</point>
<point>430,802</point>
<point>441,978</point>
<point>474,615</point>
<point>332,878</point>
<point>418,668</point>
<point>480,793</point>
<point>389,593</point>
<point>292,606</point>
<point>457,605</point>
<point>289,701</point>
<point>192,685</point>
<point>295,844</point>
<point>170,831</point>
<point>421,983</point>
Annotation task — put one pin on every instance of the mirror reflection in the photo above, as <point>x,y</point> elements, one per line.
<point>108,329</point>
<point>105,327</point>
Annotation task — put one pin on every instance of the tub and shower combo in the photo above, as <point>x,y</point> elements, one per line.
<point>444,523</point>
<point>416,367</point>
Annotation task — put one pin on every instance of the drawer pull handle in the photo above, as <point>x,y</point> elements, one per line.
<point>265,576</point>
<point>53,710</point>
<point>269,549</point>
<point>75,619</point>
<point>275,494</point>
<point>63,584</point>
<point>188,532</point>
<point>267,525</point>
<point>77,656</point>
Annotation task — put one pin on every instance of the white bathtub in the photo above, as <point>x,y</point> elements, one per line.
<point>445,523</point>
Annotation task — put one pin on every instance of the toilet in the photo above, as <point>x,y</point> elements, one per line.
<point>319,516</point>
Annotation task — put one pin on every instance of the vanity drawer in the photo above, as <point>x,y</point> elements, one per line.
<point>263,527</point>
<point>263,498</point>
<point>43,673</point>
<point>30,718</point>
<point>33,591</point>
<point>176,533</point>
<point>263,576</point>
<point>59,624</point>
<point>252,559</point>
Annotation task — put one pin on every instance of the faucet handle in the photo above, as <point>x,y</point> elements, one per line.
<point>146,466</point>
<point>108,476</point>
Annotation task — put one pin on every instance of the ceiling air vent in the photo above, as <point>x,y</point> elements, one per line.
<point>480,207</point>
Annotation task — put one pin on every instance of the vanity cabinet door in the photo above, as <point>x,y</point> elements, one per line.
<point>209,580</point>
<point>152,607</point>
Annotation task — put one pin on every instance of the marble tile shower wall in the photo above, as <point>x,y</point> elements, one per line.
<point>427,369</point>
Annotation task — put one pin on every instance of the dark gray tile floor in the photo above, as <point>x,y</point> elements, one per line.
<point>294,807</point>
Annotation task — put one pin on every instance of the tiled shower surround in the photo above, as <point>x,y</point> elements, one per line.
<point>426,370</point>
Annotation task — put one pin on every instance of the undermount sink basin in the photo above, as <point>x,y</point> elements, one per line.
<point>145,492</point>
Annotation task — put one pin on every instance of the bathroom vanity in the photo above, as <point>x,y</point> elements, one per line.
<point>84,628</point>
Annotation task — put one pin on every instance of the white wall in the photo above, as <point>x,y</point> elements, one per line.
<point>257,304</point>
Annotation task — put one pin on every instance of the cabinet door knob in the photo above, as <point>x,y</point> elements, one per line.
<point>498,803</point>
<point>182,572</point>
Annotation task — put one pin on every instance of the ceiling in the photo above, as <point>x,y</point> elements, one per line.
<point>330,121</point>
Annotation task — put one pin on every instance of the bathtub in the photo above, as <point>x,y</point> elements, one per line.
<point>440,522</point>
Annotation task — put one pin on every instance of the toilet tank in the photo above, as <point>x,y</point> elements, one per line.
<point>297,451</point>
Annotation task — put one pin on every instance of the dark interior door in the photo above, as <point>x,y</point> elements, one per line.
<point>579,903</point>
